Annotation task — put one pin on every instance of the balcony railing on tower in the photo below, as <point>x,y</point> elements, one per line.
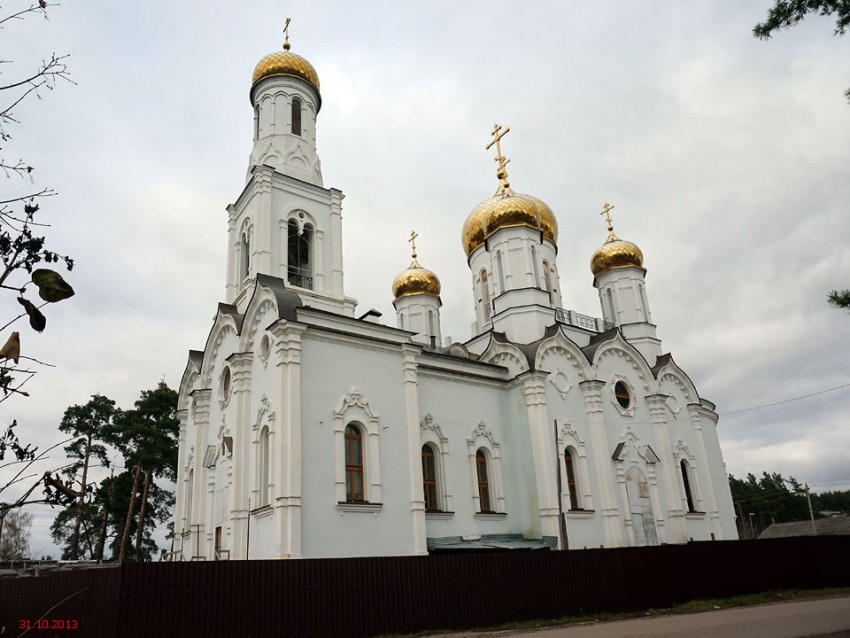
<point>586,322</point>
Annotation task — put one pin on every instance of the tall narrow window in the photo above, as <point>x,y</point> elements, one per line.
<point>299,264</point>
<point>256,122</point>
<point>296,116</point>
<point>429,479</point>
<point>189,490</point>
<point>244,255</point>
<point>535,268</point>
<point>500,272</point>
<point>612,312</point>
<point>483,482</point>
<point>572,487</point>
<point>644,303</point>
<point>217,543</point>
<point>547,278</point>
<point>686,481</point>
<point>263,478</point>
<point>353,464</point>
<point>485,294</point>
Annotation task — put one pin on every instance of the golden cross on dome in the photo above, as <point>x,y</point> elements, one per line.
<point>286,34</point>
<point>501,172</point>
<point>412,240</point>
<point>606,210</point>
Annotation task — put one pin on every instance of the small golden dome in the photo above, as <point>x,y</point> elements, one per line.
<point>504,210</point>
<point>416,280</point>
<point>285,63</point>
<point>615,253</point>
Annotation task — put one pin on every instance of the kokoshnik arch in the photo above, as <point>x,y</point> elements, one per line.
<point>308,430</point>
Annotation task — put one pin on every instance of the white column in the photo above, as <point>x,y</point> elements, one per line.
<point>240,431</point>
<point>678,532</point>
<point>201,413</point>
<point>414,461</point>
<point>592,391</point>
<point>541,435</point>
<point>286,498</point>
<point>336,283</point>
<point>706,486</point>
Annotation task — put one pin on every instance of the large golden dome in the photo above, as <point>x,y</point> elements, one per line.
<point>615,253</point>
<point>285,63</point>
<point>416,280</point>
<point>504,210</point>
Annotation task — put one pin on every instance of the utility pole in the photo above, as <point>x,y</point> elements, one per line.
<point>811,512</point>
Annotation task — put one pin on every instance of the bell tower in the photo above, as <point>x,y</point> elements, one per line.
<point>285,223</point>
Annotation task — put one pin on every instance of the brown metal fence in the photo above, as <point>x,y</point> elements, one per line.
<point>371,596</point>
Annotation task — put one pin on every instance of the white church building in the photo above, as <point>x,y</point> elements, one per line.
<point>309,430</point>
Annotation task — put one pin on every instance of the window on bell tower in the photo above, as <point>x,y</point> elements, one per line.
<point>485,295</point>
<point>299,265</point>
<point>296,116</point>
<point>244,254</point>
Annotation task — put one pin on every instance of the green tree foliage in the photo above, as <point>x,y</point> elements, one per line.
<point>839,299</point>
<point>89,426</point>
<point>84,522</point>
<point>770,499</point>
<point>129,504</point>
<point>832,501</point>
<point>147,438</point>
<point>786,13</point>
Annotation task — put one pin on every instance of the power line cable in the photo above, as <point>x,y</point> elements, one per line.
<point>770,405</point>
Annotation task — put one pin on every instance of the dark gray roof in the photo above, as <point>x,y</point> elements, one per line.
<point>835,526</point>
<point>597,340</point>
<point>228,309</point>
<point>490,543</point>
<point>287,300</point>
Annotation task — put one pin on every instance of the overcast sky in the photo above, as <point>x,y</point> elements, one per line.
<point>728,160</point>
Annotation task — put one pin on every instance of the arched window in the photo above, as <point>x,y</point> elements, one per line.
<point>500,272</point>
<point>429,479</point>
<point>612,311</point>
<point>353,464</point>
<point>432,329</point>
<point>263,468</point>
<point>401,321</point>
<point>485,294</point>
<point>244,254</point>
<point>299,264</point>
<point>572,484</point>
<point>483,482</point>
<point>686,481</point>
<point>296,116</point>
<point>256,122</point>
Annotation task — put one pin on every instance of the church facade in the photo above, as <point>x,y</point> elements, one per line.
<point>308,430</point>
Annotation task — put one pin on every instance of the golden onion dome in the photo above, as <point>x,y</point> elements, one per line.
<point>615,253</point>
<point>416,280</point>
<point>285,63</point>
<point>504,210</point>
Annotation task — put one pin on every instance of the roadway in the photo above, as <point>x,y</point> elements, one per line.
<point>820,617</point>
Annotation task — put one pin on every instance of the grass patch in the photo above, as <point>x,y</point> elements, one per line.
<point>690,607</point>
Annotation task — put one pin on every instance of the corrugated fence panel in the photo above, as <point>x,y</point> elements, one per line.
<point>363,597</point>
